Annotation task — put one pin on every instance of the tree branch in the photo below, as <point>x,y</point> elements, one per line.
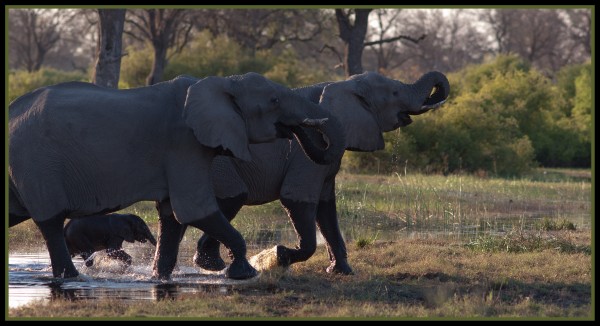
<point>397,38</point>
<point>335,51</point>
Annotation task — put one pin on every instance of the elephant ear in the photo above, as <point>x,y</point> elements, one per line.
<point>211,112</point>
<point>348,103</point>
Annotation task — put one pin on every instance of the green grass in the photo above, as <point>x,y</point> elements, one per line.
<point>548,224</point>
<point>520,242</point>
<point>421,246</point>
<point>459,205</point>
<point>402,279</point>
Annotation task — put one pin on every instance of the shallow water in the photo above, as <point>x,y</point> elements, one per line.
<point>30,279</point>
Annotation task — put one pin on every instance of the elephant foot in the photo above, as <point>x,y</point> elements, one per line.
<point>160,277</point>
<point>88,258</point>
<point>80,278</point>
<point>340,268</point>
<point>120,255</point>
<point>284,256</point>
<point>209,262</point>
<point>240,269</point>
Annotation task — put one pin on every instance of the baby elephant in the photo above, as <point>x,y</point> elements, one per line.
<point>86,235</point>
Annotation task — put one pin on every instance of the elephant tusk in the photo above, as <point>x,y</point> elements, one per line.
<point>314,122</point>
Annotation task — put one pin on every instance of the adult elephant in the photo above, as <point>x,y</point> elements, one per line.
<point>366,105</point>
<point>77,149</point>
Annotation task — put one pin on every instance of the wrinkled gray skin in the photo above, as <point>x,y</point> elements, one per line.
<point>77,149</point>
<point>86,235</point>
<point>367,105</point>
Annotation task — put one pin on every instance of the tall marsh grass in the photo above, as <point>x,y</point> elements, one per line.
<point>386,207</point>
<point>459,205</point>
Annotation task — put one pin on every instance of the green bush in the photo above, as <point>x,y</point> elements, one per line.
<point>501,118</point>
<point>208,55</point>
<point>21,81</point>
<point>135,66</point>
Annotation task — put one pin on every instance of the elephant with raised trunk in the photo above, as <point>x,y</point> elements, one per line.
<point>77,149</point>
<point>86,235</point>
<point>366,105</point>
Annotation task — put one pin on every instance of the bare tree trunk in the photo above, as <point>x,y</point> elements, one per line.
<point>109,48</point>
<point>353,36</point>
<point>158,64</point>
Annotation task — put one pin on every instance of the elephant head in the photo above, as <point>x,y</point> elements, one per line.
<point>369,104</point>
<point>137,230</point>
<point>252,109</point>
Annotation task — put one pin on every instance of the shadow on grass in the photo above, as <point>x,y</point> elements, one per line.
<point>430,290</point>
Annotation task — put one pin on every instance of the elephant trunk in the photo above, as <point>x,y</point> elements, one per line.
<point>142,232</point>
<point>430,91</point>
<point>319,133</point>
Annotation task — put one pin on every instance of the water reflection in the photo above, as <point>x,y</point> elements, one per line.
<point>58,293</point>
<point>30,279</point>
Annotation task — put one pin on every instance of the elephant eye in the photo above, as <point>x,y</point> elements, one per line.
<point>395,93</point>
<point>274,100</point>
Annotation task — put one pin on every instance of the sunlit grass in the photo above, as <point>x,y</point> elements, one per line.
<point>520,242</point>
<point>408,278</point>
<point>398,205</point>
<point>421,246</point>
<point>459,204</point>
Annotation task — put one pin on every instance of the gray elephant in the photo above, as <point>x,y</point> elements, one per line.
<point>77,149</point>
<point>366,105</point>
<point>89,234</point>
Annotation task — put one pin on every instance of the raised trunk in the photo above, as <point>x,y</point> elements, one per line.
<point>431,91</point>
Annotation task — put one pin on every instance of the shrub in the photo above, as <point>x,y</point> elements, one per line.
<point>21,81</point>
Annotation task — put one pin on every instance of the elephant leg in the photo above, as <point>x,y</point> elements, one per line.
<point>208,255</point>
<point>17,213</point>
<point>328,225</point>
<point>52,231</point>
<point>170,233</point>
<point>119,254</point>
<point>218,227</point>
<point>14,219</point>
<point>302,215</point>
<point>86,258</point>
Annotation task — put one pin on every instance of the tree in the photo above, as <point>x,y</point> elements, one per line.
<point>108,51</point>
<point>543,37</point>
<point>164,29</point>
<point>32,34</point>
<point>261,29</point>
<point>385,52</point>
<point>353,34</point>
<point>427,39</point>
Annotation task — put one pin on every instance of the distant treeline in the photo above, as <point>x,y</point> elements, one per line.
<point>513,105</point>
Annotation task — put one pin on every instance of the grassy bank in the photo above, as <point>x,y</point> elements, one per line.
<point>457,247</point>
<point>406,278</point>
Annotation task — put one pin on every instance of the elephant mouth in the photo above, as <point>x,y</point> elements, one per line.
<point>403,120</point>
<point>427,107</point>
